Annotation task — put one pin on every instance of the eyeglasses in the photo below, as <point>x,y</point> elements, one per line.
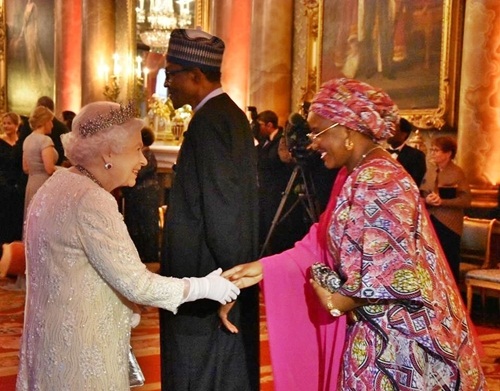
<point>314,136</point>
<point>169,74</point>
<point>434,150</point>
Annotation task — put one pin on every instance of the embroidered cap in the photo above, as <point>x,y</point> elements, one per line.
<point>194,48</point>
<point>97,116</point>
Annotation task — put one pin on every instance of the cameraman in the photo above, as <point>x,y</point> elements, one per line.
<point>273,176</point>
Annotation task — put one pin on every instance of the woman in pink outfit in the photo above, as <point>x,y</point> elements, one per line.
<point>406,324</point>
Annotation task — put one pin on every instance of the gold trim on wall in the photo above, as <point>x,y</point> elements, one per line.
<point>202,15</point>
<point>3,60</point>
<point>423,118</point>
<point>313,48</point>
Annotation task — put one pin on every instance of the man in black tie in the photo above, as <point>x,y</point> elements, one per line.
<point>412,159</point>
<point>273,175</point>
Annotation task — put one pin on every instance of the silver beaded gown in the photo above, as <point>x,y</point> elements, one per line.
<point>83,272</point>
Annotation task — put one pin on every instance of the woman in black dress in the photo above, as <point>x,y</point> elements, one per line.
<point>11,182</point>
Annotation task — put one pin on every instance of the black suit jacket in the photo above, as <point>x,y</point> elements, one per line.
<point>273,178</point>
<point>413,161</point>
<point>212,222</point>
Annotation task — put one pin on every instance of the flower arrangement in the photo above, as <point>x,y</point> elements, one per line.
<point>160,107</point>
<point>183,114</point>
<point>167,122</point>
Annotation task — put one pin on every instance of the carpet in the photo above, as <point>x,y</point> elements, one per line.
<point>145,342</point>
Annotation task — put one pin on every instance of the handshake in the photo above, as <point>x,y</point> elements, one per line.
<point>213,286</point>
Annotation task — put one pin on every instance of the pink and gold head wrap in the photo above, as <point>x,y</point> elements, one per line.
<point>357,106</point>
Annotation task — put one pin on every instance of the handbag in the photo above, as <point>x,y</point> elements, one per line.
<point>326,277</point>
<point>135,375</point>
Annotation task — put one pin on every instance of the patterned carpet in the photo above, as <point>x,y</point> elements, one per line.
<point>145,342</point>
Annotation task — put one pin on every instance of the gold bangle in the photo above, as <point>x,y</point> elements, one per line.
<point>335,312</point>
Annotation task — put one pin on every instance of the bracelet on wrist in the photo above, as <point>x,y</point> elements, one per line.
<point>335,312</point>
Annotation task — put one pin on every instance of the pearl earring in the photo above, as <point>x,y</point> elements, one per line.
<point>108,166</point>
<point>349,145</point>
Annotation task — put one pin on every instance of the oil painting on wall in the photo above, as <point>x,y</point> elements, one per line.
<point>30,52</point>
<point>392,44</point>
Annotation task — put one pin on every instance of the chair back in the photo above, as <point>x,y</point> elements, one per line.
<point>13,262</point>
<point>475,244</point>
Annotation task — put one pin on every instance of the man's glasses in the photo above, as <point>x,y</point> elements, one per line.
<point>169,74</point>
<point>314,136</point>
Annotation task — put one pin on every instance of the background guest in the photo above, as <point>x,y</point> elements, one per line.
<point>39,154</point>
<point>11,182</point>
<point>84,273</point>
<point>273,175</point>
<point>447,194</point>
<point>58,129</point>
<point>67,118</point>
<point>412,159</point>
<point>142,202</point>
<point>211,221</point>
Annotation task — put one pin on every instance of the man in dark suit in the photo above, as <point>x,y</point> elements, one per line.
<point>211,222</point>
<point>274,175</point>
<point>412,159</point>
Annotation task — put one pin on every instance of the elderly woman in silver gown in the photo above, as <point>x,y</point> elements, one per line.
<point>83,271</point>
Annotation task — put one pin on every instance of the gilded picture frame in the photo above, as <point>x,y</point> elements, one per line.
<point>418,65</point>
<point>26,53</point>
<point>3,60</point>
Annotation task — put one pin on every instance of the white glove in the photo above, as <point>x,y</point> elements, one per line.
<point>213,287</point>
<point>135,320</point>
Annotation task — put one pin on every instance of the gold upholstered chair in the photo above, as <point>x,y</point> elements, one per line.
<point>475,245</point>
<point>478,268</point>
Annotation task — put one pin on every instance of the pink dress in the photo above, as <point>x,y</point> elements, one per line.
<point>306,343</point>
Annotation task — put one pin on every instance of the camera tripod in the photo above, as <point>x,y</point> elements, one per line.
<point>305,197</point>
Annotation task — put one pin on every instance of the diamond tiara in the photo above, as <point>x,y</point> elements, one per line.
<point>114,117</point>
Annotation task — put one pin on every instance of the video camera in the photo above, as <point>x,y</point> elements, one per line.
<point>253,112</point>
<point>297,139</point>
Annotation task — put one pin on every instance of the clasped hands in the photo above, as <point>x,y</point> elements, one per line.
<point>248,274</point>
<point>243,276</point>
<point>433,199</point>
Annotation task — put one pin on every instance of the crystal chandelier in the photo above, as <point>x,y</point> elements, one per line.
<point>156,21</point>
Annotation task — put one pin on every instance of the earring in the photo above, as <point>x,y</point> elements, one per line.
<point>108,166</point>
<point>349,145</point>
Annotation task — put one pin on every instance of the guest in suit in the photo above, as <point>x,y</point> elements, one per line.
<point>211,221</point>
<point>67,118</point>
<point>273,175</point>
<point>412,159</point>
<point>83,272</point>
<point>447,194</point>
<point>142,202</point>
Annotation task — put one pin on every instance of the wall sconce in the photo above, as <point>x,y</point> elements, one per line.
<point>112,82</point>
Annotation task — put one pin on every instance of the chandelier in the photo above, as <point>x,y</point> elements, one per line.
<point>156,20</point>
